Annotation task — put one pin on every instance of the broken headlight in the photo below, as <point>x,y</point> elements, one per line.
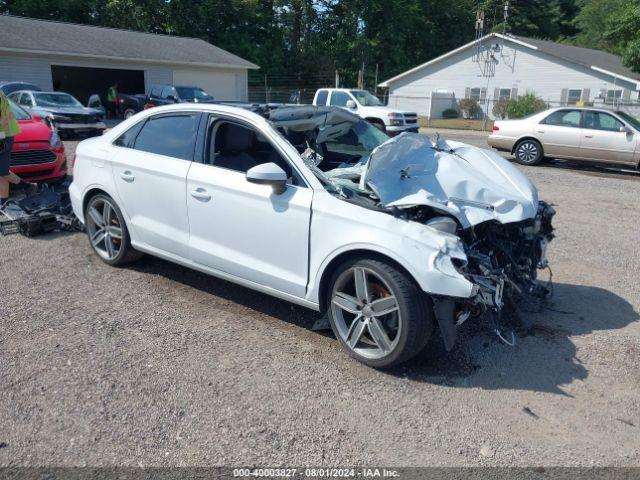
<point>443,224</point>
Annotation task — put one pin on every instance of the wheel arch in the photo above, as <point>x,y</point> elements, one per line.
<point>356,253</point>
<point>522,139</point>
<point>377,120</point>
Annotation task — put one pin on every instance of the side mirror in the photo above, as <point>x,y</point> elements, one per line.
<point>268,174</point>
<point>626,130</point>
<point>172,98</point>
<point>351,104</point>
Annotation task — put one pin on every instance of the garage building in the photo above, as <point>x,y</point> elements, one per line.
<point>82,60</point>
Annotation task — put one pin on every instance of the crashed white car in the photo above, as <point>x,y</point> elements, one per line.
<point>389,237</point>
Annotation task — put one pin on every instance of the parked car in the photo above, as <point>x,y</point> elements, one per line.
<point>368,107</point>
<point>10,87</point>
<point>37,153</point>
<point>577,133</point>
<point>169,94</point>
<point>66,113</point>
<point>128,105</point>
<point>318,207</point>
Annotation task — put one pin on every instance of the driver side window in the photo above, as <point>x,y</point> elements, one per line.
<point>239,148</point>
<point>339,99</point>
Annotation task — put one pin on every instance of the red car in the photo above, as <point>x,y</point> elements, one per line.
<point>37,153</point>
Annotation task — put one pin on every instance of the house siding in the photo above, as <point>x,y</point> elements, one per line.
<point>37,69</point>
<point>517,67</point>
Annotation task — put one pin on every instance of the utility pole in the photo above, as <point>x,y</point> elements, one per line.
<point>266,98</point>
<point>337,79</point>
<point>375,88</point>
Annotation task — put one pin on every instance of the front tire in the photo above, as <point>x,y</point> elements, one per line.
<point>377,313</point>
<point>529,152</point>
<point>108,234</point>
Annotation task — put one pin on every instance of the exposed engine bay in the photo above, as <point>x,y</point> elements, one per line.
<point>454,188</point>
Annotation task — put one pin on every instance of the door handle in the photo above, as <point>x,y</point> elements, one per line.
<point>540,131</point>
<point>200,194</point>
<point>127,176</point>
<point>588,136</point>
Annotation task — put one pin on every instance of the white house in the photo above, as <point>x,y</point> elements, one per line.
<point>504,66</point>
<point>82,59</point>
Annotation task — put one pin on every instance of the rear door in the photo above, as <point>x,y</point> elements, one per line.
<point>242,228</point>
<point>150,171</point>
<point>603,139</point>
<point>561,133</point>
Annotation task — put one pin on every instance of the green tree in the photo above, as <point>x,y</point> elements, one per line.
<point>524,105</point>
<point>623,31</point>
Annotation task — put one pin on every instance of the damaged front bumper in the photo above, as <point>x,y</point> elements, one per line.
<point>502,262</point>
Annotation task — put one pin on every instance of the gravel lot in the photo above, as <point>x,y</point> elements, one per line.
<point>159,365</point>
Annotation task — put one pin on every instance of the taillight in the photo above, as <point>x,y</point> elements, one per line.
<point>496,128</point>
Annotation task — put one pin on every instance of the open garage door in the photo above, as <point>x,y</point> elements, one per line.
<point>223,85</point>
<point>82,82</point>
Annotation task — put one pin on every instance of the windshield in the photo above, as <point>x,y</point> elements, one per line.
<point>365,99</point>
<point>635,123</point>
<point>56,100</point>
<point>190,93</point>
<point>19,112</point>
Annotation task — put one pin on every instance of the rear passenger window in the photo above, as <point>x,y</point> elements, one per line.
<point>155,91</point>
<point>169,135</point>
<point>128,137</point>
<point>564,118</point>
<point>322,97</point>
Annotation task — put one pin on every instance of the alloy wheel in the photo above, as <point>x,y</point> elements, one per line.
<point>366,313</point>
<point>104,228</point>
<point>528,152</point>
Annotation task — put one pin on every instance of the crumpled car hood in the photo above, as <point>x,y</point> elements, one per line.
<point>472,184</point>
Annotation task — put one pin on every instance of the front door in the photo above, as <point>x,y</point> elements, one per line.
<point>150,173</point>
<point>560,133</point>
<point>603,139</point>
<point>245,229</point>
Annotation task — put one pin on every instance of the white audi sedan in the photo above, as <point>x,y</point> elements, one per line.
<point>389,237</point>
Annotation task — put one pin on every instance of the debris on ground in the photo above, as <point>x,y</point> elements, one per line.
<point>46,210</point>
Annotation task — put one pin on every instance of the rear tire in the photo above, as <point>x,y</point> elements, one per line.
<point>528,152</point>
<point>128,113</point>
<point>383,324</point>
<point>107,231</point>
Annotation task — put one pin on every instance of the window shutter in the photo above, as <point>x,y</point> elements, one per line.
<point>483,94</point>
<point>467,92</point>
<point>514,92</point>
<point>496,94</point>
<point>564,96</point>
<point>626,95</point>
<point>586,94</point>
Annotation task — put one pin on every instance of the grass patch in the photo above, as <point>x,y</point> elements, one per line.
<point>455,123</point>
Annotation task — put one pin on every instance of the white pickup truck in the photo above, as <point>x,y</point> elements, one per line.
<point>367,106</point>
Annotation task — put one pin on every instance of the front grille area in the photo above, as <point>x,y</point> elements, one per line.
<point>31,157</point>
<point>81,118</point>
<point>411,118</point>
<point>39,173</point>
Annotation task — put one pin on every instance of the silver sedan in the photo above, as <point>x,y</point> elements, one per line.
<point>588,134</point>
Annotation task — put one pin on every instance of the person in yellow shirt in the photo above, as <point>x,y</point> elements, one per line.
<point>9,128</point>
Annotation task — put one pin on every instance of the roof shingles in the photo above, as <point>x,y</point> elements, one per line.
<point>67,38</point>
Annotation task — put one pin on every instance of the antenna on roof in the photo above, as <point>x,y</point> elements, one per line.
<point>506,17</point>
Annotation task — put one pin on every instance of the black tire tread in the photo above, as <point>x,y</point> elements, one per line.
<point>540,155</point>
<point>128,253</point>
<point>418,320</point>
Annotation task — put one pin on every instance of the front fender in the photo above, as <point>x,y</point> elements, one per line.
<point>425,253</point>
